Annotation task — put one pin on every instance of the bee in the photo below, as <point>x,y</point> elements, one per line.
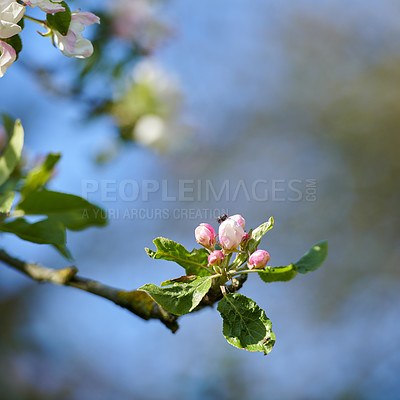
<point>222,218</point>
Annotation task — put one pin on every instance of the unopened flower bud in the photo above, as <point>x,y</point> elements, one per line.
<point>230,234</point>
<point>205,235</point>
<point>259,259</point>
<point>216,257</point>
<point>239,219</point>
<point>245,238</point>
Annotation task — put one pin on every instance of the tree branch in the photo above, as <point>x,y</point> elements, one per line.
<point>136,301</point>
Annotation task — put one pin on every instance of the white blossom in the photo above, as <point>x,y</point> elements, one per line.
<point>47,6</point>
<point>74,44</point>
<point>10,14</point>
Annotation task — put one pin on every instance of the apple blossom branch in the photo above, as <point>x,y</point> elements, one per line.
<point>135,301</point>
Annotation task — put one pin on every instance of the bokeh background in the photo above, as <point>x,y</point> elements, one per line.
<point>272,90</point>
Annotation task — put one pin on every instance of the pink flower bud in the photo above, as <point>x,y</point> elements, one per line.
<point>239,219</point>
<point>245,238</point>
<point>216,257</point>
<point>230,234</point>
<point>259,259</point>
<point>205,235</point>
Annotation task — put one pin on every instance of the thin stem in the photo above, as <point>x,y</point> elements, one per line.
<point>246,271</point>
<point>38,21</point>
<point>226,261</point>
<point>242,268</point>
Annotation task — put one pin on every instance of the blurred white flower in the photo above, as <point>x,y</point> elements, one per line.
<point>7,57</point>
<point>151,73</point>
<point>10,14</point>
<point>47,6</point>
<point>73,44</point>
<point>149,110</point>
<point>137,21</point>
<point>150,130</point>
<point>130,17</point>
<point>165,88</point>
<point>159,126</point>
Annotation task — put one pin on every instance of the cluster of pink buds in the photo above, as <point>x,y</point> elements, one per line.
<point>231,235</point>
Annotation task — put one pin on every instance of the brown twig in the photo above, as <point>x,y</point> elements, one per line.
<point>136,301</point>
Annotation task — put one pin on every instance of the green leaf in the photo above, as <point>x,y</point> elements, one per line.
<point>179,299</point>
<point>60,21</point>
<point>245,324</point>
<point>64,251</point>
<point>6,201</point>
<point>21,23</point>
<point>258,233</point>
<point>74,212</point>
<point>193,261</point>
<point>10,157</point>
<point>180,280</point>
<point>42,232</point>
<point>39,176</point>
<point>278,274</point>
<point>313,258</point>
